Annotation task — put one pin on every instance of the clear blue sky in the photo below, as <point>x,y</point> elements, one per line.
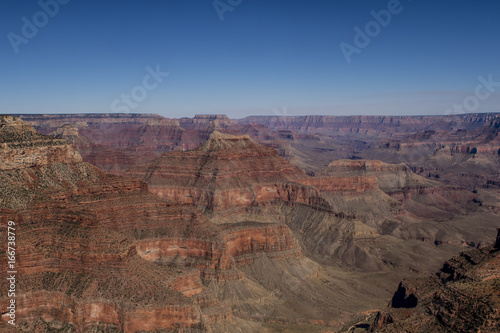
<point>266,57</point>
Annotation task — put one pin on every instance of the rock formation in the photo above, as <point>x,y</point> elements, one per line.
<point>462,297</point>
<point>100,252</point>
<point>225,173</point>
<point>461,150</point>
<point>74,248</point>
<point>214,230</point>
<point>233,179</point>
<point>23,147</point>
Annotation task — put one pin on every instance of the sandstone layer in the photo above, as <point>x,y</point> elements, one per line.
<point>216,226</point>
<point>460,150</point>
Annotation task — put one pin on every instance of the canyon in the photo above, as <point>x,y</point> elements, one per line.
<point>208,224</point>
<point>463,296</point>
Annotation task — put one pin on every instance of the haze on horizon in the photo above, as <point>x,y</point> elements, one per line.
<point>241,57</point>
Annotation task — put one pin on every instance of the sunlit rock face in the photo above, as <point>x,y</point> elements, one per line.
<point>225,172</point>
<point>21,146</point>
<point>101,252</point>
<point>220,232</point>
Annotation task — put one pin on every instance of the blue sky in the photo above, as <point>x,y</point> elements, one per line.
<point>265,57</point>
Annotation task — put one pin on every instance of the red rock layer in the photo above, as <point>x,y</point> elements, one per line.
<point>84,316</point>
<point>22,147</point>
<point>194,252</point>
<point>344,185</point>
<point>118,256</point>
<point>253,239</point>
<point>240,245</point>
<point>220,174</point>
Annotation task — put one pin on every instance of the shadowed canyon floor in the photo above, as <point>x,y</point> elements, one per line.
<point>266,224</point>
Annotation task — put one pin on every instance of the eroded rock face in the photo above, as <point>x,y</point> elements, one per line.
<point>22,147</point>
<point>389,177</point>
<point>461,297</point>
<point>466,156</point>
<point>245,241</point>
<point>346,185</point>
<point>381,320</point>
<point>419,196</point>
<point>210,238</point>
<point>77,255</point>
<point>77,229</point>
<point>380,123</point>
<point>460,150</point>
<point>231,178</point>
<point>117,142</point>
<point>225,172</point>
<point>102,252</point>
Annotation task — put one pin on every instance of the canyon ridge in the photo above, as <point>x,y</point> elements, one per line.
<point>140,223</point>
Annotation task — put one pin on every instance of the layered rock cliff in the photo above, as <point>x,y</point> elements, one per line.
<point>226,236</point>
<point>233,179</point>
<point>23,147</point>
<point>457,149</point>
<point>225,172</point>
<point>346,124</point>
<point>77,230</point>
<point>100,252</point>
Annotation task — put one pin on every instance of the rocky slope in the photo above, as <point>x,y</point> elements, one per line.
<point>341,213</point>
<point>23,147</point>
<point>72,251</point>
<point>224,173</point>
<point>227,236</point>
<point>464,296</point>
<point>97,252</point>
